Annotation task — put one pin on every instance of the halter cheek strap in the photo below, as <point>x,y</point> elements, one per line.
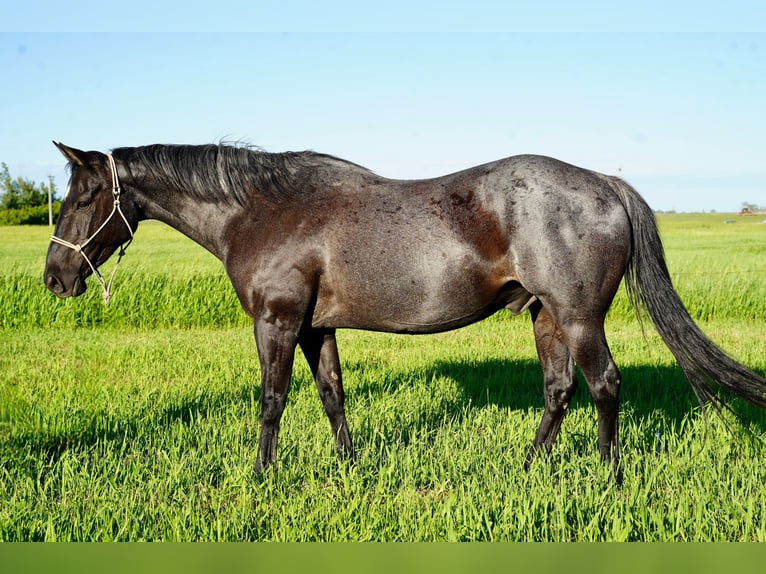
<point>106,288</point>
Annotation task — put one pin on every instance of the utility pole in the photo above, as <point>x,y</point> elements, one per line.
<point>50,201</point>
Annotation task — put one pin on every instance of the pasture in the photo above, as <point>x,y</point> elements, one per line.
<point>139,421</point>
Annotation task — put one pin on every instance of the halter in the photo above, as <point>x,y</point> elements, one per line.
<point>106,288</point>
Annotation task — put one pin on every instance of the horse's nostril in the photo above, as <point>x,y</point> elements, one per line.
<point>54,284</point>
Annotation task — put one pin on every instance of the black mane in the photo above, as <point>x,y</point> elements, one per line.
<point>226,173</point>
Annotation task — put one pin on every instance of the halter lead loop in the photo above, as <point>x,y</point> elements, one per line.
<point>106,288</point>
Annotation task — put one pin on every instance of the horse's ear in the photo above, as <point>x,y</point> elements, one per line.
<point>73,156</point>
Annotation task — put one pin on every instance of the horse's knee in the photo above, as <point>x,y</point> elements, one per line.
<point>272,407</point>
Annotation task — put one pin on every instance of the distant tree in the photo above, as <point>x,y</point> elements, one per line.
<point>19,193</point>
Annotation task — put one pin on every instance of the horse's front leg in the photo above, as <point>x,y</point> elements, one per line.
<point>276,342</point>
<point>321,351</point>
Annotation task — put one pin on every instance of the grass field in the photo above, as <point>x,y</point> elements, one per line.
<point>140,421</point>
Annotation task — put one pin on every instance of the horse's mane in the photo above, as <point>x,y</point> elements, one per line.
<point>229,173</point>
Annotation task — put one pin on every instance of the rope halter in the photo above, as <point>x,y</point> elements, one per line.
<point>106,288</point>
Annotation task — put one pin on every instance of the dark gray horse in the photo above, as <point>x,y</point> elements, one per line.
<point>313,244</point>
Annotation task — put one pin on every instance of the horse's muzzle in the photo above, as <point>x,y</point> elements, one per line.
<point>73,286</point>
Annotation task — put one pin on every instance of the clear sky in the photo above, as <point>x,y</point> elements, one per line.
<point>671,96</point>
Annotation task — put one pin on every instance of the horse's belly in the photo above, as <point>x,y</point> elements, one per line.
<point>410,319</point>
<point>436,293</point>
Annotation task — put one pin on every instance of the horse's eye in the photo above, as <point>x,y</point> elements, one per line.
<point>81,205</point>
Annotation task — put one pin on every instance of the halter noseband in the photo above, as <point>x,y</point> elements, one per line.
<point>106,288</point>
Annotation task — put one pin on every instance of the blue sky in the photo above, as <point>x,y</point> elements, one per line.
<point>676,105</point>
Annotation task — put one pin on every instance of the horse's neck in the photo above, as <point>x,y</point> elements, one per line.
<point>203,222</point>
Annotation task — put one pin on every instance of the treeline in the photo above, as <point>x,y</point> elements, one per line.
<point>24,202</point>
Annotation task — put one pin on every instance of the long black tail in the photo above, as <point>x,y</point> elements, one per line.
<point>651,290</point>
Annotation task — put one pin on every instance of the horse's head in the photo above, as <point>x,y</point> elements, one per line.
<point>96,218</point>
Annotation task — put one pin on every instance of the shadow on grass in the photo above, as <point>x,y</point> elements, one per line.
<point>649,393</point>
<point>658,396</point>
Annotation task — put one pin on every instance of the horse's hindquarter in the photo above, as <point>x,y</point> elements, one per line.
<point>571,237</point>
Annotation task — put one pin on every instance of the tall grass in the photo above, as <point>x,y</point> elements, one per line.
<point>139,421</point>
<point>164,280</point>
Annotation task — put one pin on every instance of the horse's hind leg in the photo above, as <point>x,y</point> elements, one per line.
<point>321,351</point>
<point>559,379</point>
<point>586,341</point>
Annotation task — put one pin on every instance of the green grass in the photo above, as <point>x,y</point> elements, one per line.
<point>140,421</point>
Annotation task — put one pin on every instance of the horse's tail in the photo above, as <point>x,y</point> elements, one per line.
<point>651,290</point>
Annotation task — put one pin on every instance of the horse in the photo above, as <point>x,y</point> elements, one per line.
<point>313,243</point>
